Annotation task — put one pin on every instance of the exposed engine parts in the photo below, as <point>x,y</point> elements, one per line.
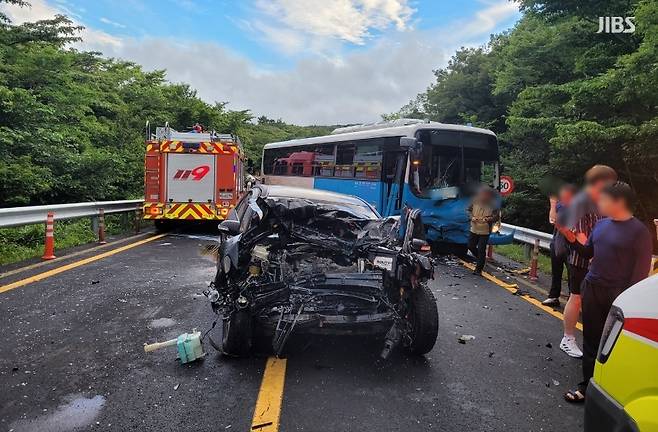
<point>301,265</point>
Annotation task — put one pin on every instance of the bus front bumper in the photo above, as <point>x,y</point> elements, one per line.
<point>604,414</point>
<point>498,238</point>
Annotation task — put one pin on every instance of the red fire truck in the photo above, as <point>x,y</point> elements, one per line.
<point>191,175</point>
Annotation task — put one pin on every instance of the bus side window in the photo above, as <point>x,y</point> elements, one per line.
<point>325,159</point>
<point>280,168</point>
<point>345,160</point>
<point>368,158</point>
<point>297,169</point>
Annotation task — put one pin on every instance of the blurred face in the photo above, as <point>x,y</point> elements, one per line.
<point>484,195</point>
<point>594,189</point>
<point>565,196</point>
<point>610,207</point>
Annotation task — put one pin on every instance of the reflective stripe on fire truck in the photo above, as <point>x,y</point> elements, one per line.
<point>204,147</point>
<point>184,211</point>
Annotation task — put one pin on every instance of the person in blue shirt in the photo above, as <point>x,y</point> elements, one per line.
<point>619,248</point>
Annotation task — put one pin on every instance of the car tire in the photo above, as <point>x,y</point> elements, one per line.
<point>237,334</point>
<point>424,319</point>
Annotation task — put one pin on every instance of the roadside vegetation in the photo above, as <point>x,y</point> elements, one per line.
<point>21,243</point>
<point>516,252</point>
<point>561,98</point>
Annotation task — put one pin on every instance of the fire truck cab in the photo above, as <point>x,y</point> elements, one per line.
<point>191,176</point>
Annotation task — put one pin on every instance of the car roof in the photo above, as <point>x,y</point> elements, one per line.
<point>276,191</point>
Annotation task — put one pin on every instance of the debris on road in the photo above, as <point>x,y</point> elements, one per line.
<point>188,345</point>
<point>465,338</point>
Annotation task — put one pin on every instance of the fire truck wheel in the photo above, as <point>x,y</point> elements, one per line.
<point>162,226</point>
<point>237,334</point>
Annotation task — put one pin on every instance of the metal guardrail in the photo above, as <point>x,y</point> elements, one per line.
<point>18,216</point>
<point>528,236</point>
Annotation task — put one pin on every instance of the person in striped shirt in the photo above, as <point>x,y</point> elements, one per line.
<point>582,216</point>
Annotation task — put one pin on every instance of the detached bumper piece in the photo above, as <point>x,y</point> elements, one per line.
<point>604,414</point>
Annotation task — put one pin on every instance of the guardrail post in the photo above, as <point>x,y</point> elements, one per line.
<point>138,218</point>
<point>49,244</point>
<point>533,263</point>
<point>490,252</point>
<point>101,226</point>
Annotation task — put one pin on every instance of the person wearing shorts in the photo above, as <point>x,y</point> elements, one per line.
<point>583,215</point>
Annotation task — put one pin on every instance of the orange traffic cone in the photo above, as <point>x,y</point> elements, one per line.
<point>101,226</point>
<point>534,262</point>
<point>49,248</point>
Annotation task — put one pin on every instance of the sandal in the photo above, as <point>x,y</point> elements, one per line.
<point>574,396</point>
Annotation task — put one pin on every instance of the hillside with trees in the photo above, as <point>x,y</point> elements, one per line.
<point>72,123</point>
<point>562,97</point>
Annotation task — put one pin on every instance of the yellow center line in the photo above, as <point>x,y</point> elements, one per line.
<point>58,270</point>
<point>514,290</point>
<point>270,397</point>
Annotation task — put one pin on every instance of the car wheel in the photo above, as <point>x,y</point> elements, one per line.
<point>424,320</point>
<point>237,334</point>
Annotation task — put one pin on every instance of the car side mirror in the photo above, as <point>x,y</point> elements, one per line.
<point>229,226</point>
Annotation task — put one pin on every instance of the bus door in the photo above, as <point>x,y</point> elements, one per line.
<point>393,169</point>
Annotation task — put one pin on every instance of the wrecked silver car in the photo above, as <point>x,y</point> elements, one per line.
<point>306,260</point>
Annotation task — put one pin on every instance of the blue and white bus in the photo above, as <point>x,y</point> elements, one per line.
<point>430,166</point>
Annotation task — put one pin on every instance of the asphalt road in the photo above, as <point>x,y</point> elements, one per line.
<point>72,358</point>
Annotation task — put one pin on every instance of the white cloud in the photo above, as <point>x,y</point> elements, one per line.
<point>112,23</point>
<point>312,24</point>
<point>94,40</point>
<point>487,19</point>
<point>349,20</point>
<point>316,89</point>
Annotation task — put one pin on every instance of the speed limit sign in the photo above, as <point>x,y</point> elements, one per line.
<point>506,185</point>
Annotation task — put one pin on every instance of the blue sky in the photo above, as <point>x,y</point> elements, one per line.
<point>306,61</point>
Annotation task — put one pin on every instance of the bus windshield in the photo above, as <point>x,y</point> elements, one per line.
<point>453,159</point>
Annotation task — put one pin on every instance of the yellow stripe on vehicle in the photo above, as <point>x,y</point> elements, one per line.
<point>58,270</point>
<point>270,397</point>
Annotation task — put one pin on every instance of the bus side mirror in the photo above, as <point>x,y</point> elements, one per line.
<point>408,142</point>
<point>414,146</point>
